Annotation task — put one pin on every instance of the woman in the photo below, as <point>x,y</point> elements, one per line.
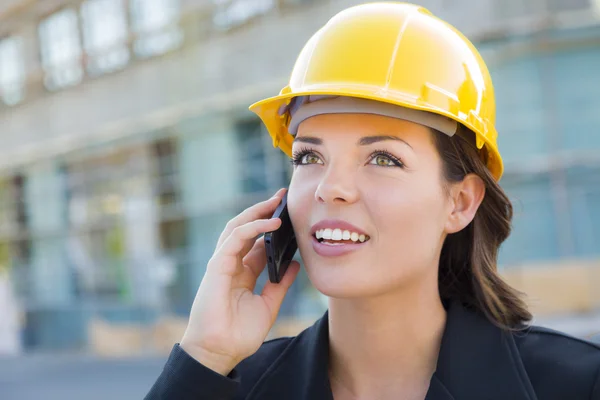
<point>389,120</point>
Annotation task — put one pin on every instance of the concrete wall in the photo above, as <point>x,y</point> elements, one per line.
<point>244,65</point>
<point>198,91</point>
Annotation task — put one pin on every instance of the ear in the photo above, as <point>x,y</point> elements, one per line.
<point>467,196</point>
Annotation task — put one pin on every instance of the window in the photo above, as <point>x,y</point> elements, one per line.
<point>96,245</point>
<point>61,49</point>
<point>13,218</point>
<point>15,245</point>
<point>173,224</point>
<point>113,243</point>
<point>12,74</point>
<point>231,13</point>
<point>105,35</point>
<point>155,24</point>
<point>263,168</point>
<point>166,159</point>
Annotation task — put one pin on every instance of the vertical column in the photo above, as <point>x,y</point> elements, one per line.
<point>209,175</point>
<point>31,58</point>
<point>51,278</point>
<point>141,230</point>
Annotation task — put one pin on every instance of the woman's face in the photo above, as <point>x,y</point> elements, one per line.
<point>374,176</point>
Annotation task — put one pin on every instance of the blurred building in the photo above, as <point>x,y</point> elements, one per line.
<point>127,144</point>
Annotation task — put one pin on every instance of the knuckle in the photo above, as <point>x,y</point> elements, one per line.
<point>211,264</point>
<point>238,231</point>
<point>229,225</point>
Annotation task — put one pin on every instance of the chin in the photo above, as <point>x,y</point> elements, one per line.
<point>346,280</point>
<point>353,277</point>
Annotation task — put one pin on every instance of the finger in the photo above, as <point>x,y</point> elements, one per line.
<point>255,262</point>
<point>241,240</point>
<point>256,259</point>
<point>274,293</point>
<point>263,209</point>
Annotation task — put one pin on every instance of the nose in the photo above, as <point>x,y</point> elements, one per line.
<point>337,186</point>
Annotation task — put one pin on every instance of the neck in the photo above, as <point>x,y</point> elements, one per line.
<point>382,343</point>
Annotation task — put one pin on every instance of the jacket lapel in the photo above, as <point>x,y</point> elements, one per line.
<point>477,361</point>
<point>300,373</point>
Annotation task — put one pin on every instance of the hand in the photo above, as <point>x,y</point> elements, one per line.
<point>228,322</point>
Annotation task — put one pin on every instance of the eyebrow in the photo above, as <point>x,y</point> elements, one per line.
<point>308,139</point>
<point>364,141</point>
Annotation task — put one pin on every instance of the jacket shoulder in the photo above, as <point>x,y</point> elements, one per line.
<point>255,366</point>
<point>560,365</point>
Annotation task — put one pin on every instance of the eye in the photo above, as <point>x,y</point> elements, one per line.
<point>385,159</point>
<point>382,161</point>
<point>306,157</point>
<point>310,159</point>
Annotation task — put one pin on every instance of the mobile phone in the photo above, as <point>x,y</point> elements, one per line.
<point>280,245</point>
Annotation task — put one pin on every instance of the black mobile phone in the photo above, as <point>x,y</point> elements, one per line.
<point>280,245</point>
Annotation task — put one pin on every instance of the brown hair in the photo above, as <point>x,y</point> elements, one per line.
<point>468,263</point>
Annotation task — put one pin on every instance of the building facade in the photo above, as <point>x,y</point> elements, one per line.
<point>127,145</point>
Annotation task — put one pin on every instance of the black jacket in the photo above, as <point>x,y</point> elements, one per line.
<point>477,361</point>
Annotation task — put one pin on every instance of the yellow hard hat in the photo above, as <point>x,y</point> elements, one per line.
<point>395,53</point>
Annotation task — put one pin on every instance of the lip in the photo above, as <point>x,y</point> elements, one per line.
<point>328,250</point>
<point>336,223</point>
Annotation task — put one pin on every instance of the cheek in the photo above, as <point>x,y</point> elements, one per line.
<point>300,195</point>
<point>409,217</point>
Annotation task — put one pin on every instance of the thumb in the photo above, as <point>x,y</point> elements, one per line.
<point>274,293</point>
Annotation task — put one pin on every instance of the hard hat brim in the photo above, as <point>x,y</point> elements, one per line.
<point>277,125</point>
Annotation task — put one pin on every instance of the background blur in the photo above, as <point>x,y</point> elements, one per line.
<point>126,145</point>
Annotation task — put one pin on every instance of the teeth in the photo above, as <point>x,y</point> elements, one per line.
<point>338,234</point>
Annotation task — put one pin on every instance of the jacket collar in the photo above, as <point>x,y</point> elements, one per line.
<point>477,360</point>
<point>301,372</point>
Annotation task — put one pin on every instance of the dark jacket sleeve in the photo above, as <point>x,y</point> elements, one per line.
<point>596,388</point>
<point>184,378</point>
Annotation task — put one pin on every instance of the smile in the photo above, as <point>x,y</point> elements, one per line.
<point>334,237</point>
<point>337,236</point>
<point>336,248</point>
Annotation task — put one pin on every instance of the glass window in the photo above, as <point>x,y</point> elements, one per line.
<point>105,35</point>
<point>96,247</point>
<point>61,49</point>
<point>155,24</point>
<point>166,179</point>
<point>583,190</point>
<point>114,244</point>
<point>13,218</point>
<point>231,13</point>
<point>15,246</point>
<point>535,236</point>
<point>262,168</point>
<point>12,73</point>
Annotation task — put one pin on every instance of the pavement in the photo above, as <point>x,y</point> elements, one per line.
<point>66,377</point>
<point>586,326</point>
